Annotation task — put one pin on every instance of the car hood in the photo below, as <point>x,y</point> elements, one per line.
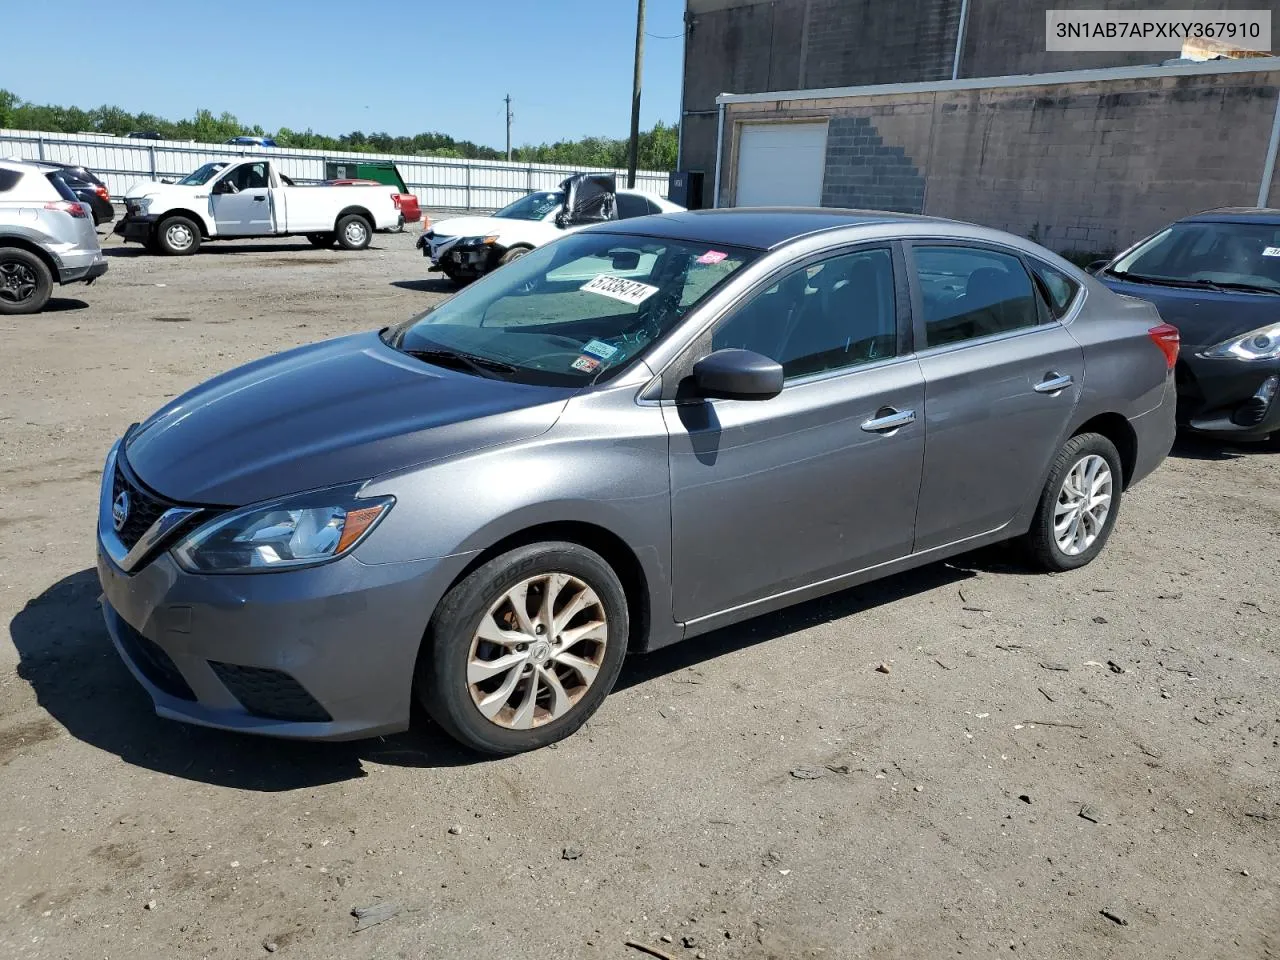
<point>469,226</point>
<point>1204,317</point>
<point>334,412</point>
<point>148,188</point>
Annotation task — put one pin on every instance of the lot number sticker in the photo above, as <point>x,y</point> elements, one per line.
<point>598,348</point>
<point>1271,252</point>
<point>628,291</point>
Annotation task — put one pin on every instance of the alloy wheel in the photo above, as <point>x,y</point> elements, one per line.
<point>17,282</point>
<point>536,651</point>
<point>1084,503</point>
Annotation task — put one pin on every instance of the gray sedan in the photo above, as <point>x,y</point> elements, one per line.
<point>629,437</point>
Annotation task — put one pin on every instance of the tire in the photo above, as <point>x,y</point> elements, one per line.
<point>1055,549</point>
<point>321,239</point>
<point>453,648</point>
<point>354,232</point>
<point>515,253</point>
<point>25,282</point>
<point>177,237</point>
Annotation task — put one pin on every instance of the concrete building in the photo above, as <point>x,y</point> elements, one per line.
<point>955,108</point>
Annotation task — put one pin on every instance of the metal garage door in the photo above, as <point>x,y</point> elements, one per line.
<point>781,164</point>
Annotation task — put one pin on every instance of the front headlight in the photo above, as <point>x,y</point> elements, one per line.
<point>141,204</point>
<point>1260,344</point>
<point>282,535</point>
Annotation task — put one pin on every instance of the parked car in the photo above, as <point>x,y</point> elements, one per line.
<point>253,141</point>
<point>487,506</point>
<point>406,203</point>
<point>1216,277</point>
<point>463,248</point>
<point>251,198</point>
<point>84,184</point>
<point>144,135</point>
<point>46,237</point>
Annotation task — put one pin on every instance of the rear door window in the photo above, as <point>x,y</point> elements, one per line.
<point>8,180</point>
<point>972,292</point>
<point>630,205</point>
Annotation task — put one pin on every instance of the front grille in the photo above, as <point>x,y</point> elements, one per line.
<point>270,693</point>
<point>152,662</point>
<point>145,508</point>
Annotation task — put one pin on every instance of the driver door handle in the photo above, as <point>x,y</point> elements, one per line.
<point>1054,382</point>
<point>888,420</point>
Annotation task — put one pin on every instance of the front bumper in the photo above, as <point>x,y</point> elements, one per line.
<point>324,653</point>
<point>459,257</point>
<point>133,227</point>
<point>1229,399</point>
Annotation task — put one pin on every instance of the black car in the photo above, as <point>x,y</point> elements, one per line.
<point>143,135</point>
<point>1216,277</point>
<point>87,187</point>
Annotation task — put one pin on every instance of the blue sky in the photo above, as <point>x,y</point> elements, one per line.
<point>402,68</point>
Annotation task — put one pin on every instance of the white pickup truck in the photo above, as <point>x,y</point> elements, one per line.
<point>251,198</point>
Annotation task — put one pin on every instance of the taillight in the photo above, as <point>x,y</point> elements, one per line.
<point>101,191</point>
<point>66,206</point>
<point>395,198</point>
<point>1165,336</point>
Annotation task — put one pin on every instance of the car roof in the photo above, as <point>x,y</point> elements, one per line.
<point>26,166</point>
<point>1263,215</point>
<point>761,227</point>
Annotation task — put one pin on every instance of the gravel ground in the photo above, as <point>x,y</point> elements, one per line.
<point>1084,765</point>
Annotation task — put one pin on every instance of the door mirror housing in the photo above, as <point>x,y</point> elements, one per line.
<point>1097,265</point>
<point>737,375</point>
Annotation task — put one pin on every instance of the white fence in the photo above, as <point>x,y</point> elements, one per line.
<point>437,181</point>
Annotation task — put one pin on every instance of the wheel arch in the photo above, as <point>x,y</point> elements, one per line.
<point>191,215</point>
<point>21,243</point>
<point>1116,428</point>
<point>359,211</point>
<point>612,548</point>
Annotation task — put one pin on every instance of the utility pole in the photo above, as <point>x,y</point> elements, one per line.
<point>634,149</point>
<point>508,102</point>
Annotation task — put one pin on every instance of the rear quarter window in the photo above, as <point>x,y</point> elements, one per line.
<point>59,184</point>
<point>1059,289</point>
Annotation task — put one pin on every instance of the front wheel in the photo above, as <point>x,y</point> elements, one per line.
<point>177,237</point>
<point>354,232</point>
<point>521,652</point>
<point>1078,506</point>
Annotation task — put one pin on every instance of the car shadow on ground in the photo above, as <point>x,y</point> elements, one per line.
<point>429,285</point>
<point>65,654</point>
<point>67,657</point>
<point>1190,447</point>
<point>61,304</point>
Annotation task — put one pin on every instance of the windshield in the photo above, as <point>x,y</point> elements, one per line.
<point>573,311</point>
<point>202,175</point>
<point>535,206</point>
<point>1246,254</point>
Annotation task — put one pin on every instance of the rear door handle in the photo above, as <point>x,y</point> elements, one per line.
<point>1054,383</point>
<point>259,198</point>
<point>887,420</point>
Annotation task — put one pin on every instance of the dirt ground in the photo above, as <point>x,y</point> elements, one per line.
<point>1043,749</point>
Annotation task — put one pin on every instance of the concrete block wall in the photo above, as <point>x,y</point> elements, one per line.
<point>1077,166</point>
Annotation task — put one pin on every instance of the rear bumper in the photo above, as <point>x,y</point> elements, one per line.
<point>86,270</point>
<point>1155,432</point>
<point>1230,399</point>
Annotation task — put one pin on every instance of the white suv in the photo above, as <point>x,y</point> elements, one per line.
<point>46,236</point>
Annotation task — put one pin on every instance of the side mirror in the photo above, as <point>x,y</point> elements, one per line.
<point>737,375</point>
<point>1097,265</point>
<point>167,180</point>
<point>223,186</point>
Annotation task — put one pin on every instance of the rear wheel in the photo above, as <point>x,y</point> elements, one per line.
<point>177,237</point>
<point>523,650</point>
<point>1078,506</point>
<point>354,232</point>
<point>321,239</point>
<point>25,281</point>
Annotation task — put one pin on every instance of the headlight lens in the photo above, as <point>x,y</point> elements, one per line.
<point>1260,344</point>
<point>282,535</point>
<point>141,204</point>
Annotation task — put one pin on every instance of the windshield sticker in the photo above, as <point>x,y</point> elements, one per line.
<point>585,364</point>
<point>598,348</point>
<point>712,256</point>
<point>1271,252</point>
<point>628,291</point>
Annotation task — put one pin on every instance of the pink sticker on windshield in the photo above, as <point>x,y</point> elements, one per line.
<point>712,256</point>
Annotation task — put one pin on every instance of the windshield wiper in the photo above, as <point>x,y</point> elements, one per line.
<point>1241,285</point>
<point>1162,281</point>
<point>463,361</point>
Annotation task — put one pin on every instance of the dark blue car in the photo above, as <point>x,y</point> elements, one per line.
<point>1216,277</point>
